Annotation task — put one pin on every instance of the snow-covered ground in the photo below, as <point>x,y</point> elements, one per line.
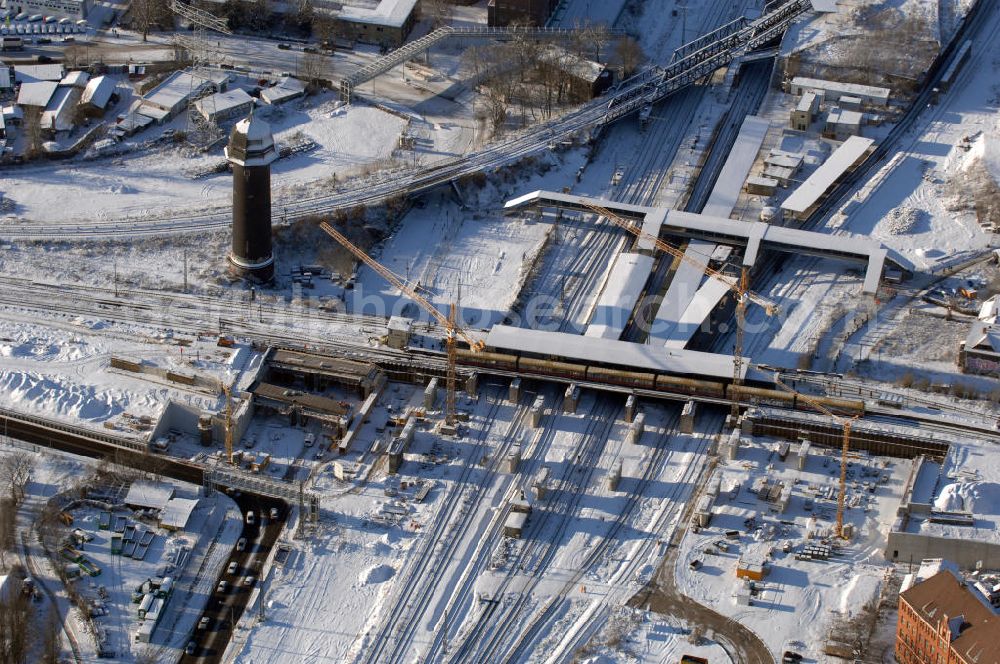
<point>61,369</point>
<point>798,599</point>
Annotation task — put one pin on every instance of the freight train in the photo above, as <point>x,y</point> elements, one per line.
<point>763,394</point>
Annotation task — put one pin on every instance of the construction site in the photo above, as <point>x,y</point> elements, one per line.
<point>652,331</point>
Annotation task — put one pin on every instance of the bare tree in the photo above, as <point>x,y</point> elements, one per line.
<point>304,15</point>
<point>8,530</point>
<point>597,36</point>
<point>437,11</point>
<point>15,472</point>
<point>13,628</point>
<point>313,69</point>
<point>32,123</point>
<point>630,55</point>
<point>50,637</point>
<point>144,14</point>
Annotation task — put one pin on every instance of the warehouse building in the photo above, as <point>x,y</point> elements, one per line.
<point>172,95</point>
<point>76,9</point>
<point>834,91</point>
<point>384,22</point>
<point>387,23</point>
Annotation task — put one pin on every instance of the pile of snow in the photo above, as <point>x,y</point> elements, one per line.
<point>974,497</point>
<point>379,574</point>
<point>902,220</point>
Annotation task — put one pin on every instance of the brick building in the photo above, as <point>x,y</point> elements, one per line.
<point>943,621</point>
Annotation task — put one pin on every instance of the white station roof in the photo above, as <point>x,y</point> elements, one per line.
<point>621,292</point>
<point>754,235</point>
<point>630,356</point>
<point>680,292</point>
<point>734,172</point>
<point>817,184</point>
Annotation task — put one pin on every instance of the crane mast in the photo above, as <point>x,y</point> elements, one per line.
<point>844,422</point>
<point>452,331</point>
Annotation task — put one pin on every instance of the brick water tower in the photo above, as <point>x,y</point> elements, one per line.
<point>251,151</point>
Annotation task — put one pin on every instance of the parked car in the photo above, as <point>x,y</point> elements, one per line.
<point>241,545</point>
<point>250,518</point>
<point>191,648</point>
<point>274,514</point>
<point>284,47</point>
<point>204,622</point>
<point>222,587</point>
<point>232,567</point>
<point>248,580</point>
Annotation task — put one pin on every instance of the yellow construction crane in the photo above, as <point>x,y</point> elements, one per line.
<point>846,423</point>
<point>741,287</point>
<point>453,331</point>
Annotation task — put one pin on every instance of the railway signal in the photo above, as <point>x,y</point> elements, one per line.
<point>452,331</point>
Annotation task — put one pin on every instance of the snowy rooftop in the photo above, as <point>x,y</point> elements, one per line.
<point>77,79</point>
<point>147,494</point>
<point>681,292</point>
<point>810,191</point>
<point>621,292</point>
<point>838,89</point>
<point>176,88</point>
<point>389,13</point>
<point>287,88</point>
<point>734,172</point>
<point>31,73</point>
<point>844,117</point>
<point>611,351</point>
<point>572,64</point>
<point>36,93</point>
<point>221,102</point>
<point>57,115</point>
<point>825,6</point>
<point>98,91</point>
<point>177,512</point>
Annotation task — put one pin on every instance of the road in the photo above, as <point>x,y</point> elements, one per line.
<point>225,608</point>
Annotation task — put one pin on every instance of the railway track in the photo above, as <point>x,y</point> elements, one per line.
<point>484,641</point>
<point>465,498</point>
